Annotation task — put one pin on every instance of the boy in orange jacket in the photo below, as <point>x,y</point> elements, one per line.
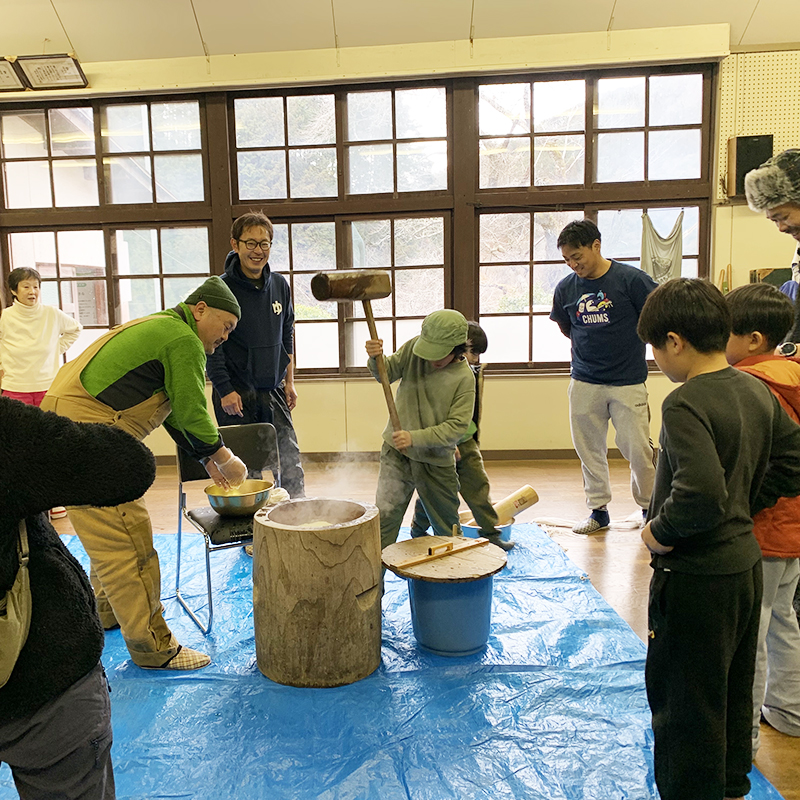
<point>760,317</point>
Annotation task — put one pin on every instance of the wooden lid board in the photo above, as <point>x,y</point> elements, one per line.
<point>469,560</point>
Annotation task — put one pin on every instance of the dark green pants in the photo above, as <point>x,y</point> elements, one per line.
<point>474,483</point>
<point>399,476</point>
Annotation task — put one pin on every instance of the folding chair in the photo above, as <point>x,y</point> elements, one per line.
<point>257,445</point>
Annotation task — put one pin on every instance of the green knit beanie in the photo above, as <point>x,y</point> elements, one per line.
<point>216,294</point>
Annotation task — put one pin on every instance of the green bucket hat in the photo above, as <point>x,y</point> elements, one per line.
<point>441,332</point>
<point>216,294</point>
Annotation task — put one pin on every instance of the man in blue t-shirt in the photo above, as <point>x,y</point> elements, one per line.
<point>597,308</point>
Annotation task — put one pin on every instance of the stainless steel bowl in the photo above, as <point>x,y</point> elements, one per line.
<point>242,501</point>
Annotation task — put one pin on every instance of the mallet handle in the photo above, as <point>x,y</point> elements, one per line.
<point>381,364</point>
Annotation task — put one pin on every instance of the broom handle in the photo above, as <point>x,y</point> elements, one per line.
<point>382,374</point>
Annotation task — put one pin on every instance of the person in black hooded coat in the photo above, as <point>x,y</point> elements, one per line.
<point>55,724</point>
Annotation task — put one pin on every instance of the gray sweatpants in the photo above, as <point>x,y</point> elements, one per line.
<point>64,749</point>
<point>591,406</point>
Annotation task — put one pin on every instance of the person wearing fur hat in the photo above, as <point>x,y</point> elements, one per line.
<point>774,188</point>
<point>435,400</point>
<point>55,720</point>
<point>147,372</point>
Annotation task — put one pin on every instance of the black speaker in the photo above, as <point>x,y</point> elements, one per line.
<point>745,153</point>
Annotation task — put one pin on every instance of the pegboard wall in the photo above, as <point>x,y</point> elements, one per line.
<point>759,93</point>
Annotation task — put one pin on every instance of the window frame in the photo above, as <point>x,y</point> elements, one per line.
<point>460,204</point>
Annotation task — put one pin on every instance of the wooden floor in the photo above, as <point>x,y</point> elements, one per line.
<point>616,561</point>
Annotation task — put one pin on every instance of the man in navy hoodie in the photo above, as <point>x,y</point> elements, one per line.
<point>253,372</point>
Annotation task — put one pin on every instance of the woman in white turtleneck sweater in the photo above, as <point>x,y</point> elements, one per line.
<point>32,339</point>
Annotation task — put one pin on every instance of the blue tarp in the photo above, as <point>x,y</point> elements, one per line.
<point>553,709</point>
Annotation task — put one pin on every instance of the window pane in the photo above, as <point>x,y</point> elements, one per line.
<point>185,250</point>
<point>125,129</point>
<point>689,268</point>
<point>179,179</point>
<point>358,333</point>
<point>86,301</point>
<point>505,162</point>
<point>37,250</point>
<point>421,113</point>
<point>546,227</point>
<point>306,306</point>
<point>312,119</point>
<point>262,175</point>
<point>176,290</point>
<point>371,243</point>
<point>504,109</point>
<point>549,344</point>
<point>558,160</point>
<point>128,179</point>
<point>676,99</point>
<point>508,339</point>
<point>664,218</point>
<point>559,106</point>
<point>81,254</point>
<point>24,135</point>
<point>49,296</point>
<point>504,290</point>
<point>505,237</point>
<point>27,184</point>
<point>672,155</point>
<point>371,169</point>
<point>137,298</point>
<point>620,102</point>
<point>75,182</point>
<point>545,280</point>
<point>259,121</point>
<point>279,252</point>
<point>314,246</point>
<point>71,131</point>
<point>418,291</point>
<point>369,116</point>
<point>418,241</point>
<point>421,166</point>
<point>137,252</point>
<point>312,173</point>
<point>620,157</point>
<point>176,126</point>
<point>622,233</point>
<point>317,345</point>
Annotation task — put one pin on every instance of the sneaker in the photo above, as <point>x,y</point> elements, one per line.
<point>598,520</point>
<point>495,539</point>
<point>59,512</point>
<point>185,658</point>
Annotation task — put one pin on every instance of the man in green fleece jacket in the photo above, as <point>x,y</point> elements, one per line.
<point>434,402</point>
<point>147,372</point>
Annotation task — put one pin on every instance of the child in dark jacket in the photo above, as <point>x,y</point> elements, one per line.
<point>760,317</point>
<point>728,450</point>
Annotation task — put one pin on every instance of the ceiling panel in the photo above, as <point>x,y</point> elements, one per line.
<point>119,30</point>
<point>25,26</point>
<point>378,22</point>
<point>771,17</point>
<point>260,27</point>
<point>500,18</point>
<point>632,14</point>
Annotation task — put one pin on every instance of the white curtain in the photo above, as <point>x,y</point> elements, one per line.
<point>661,257</point>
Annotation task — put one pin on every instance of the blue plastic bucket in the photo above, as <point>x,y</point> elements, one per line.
<point>473,531</point>
<point>451,619</point>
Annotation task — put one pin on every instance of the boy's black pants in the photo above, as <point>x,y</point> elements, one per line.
<point>699,675</point>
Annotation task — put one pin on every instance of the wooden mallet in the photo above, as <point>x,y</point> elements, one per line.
<point>366,285</point>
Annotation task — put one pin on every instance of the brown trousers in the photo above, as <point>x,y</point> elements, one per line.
<point>125,572</point>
